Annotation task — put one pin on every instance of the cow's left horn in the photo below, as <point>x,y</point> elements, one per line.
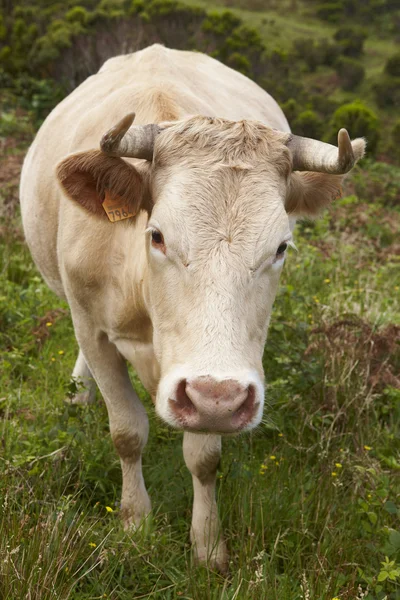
<point>312,155</point>
<point>133,142</point>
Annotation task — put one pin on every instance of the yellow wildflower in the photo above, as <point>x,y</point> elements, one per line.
<point>334,474</point>
<point>369,496</point>
<point>280,434</point>
<point>338,465</point>
<point>272,457</point>
<point>52,359</point>
<point>92,544</point>
<point>61,352</point>
<point>109,509</point>
<point>327,280</point>
<point>49,324</point>
<point>367,448</point>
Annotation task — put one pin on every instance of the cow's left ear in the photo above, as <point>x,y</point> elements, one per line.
<point>308,193</point>
<point>89,178</point>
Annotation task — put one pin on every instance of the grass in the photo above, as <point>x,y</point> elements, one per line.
<point>309,501</point>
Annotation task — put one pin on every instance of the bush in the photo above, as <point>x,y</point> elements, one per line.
<point>395,140</point>
<point>291,109</point>
<point>350,71</point>
<point>392,66</point>
<point>351,40</point>
<point>396,133</point>
<point>330,11</point>
<point>315,53</point>
<point>306,49</point>
<point>78,14</point>
<point>359,120</point>
<point>240,63</point>
<point>308,124</point>
<point>387,91</point>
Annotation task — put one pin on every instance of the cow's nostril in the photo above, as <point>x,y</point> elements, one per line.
<point>246,410</point>
<point>183,406</point>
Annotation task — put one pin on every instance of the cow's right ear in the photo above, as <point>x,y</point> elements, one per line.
<point>90,177</point>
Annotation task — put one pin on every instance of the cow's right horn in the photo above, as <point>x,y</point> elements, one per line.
<point>133,142</point>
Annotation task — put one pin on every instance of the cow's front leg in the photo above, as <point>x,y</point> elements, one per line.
<point>202,453</point>
<point>129,424</point>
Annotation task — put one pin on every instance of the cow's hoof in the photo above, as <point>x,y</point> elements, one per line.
<point>86,397</point>
<point>216,560</point>
<point>134,520</point>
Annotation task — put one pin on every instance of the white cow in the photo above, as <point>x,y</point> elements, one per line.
<point>170,257</point>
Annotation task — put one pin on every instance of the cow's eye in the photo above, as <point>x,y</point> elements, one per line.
<point>157,238</point>
<point>281,248</point>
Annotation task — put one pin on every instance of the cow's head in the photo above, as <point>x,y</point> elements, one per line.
<point>222,199</point>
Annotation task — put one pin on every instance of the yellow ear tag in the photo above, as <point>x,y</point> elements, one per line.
<point>116,207</point>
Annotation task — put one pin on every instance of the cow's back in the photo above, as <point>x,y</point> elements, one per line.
<point>159,85</point>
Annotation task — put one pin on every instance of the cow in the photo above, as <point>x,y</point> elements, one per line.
<point>159,199</point>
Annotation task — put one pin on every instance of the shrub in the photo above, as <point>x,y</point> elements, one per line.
<point>221,24</point>
<point>330,11</point>
<point>396,133</point>
<point>351,40</point>
<point>392,66</point>
<point>387,91</point>
<point>350,71</point>
<point>78,14</point>
<point>291,109</point>
<point>240,63</point>
<point>306,49</point>
<point>308,124</point>
<point>395,140</point>
<point>359,120</point>
<point>329,52</point>
<point>316,52</point>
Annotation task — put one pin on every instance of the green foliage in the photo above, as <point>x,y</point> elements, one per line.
<point>359,120</point>
<point>350,71</point>
<point>315,52</point>
<point>77,14</point>
<point>308,124</point>
<point>395,138</point>
<point>392,66</point>
<point>240,63</point>
<point>351,40</point>
<point>329,11</point>
<point>387,91</point>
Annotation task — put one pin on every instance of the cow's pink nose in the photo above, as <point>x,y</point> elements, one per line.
<point>208,405</point>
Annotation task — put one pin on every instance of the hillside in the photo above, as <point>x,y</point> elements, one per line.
<point>312,65</point>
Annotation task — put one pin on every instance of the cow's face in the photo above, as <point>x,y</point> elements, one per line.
<point>216,241</point>
<point>218,194</point>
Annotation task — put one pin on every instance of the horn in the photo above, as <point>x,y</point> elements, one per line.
<point>312,155</point>
<point>133,142</point>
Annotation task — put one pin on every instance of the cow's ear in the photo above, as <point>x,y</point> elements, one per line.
<point>91,178</point>
<point>308,193</point>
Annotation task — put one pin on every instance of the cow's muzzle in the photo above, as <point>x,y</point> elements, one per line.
<point>220,406</point>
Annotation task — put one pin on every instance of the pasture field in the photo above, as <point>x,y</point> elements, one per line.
<point>309,501</point>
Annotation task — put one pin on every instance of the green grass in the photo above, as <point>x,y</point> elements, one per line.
<point>309,502</point>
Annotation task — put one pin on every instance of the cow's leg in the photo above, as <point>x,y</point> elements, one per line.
<point>129,425</point>
<point>84,379</point>
<point>202,453</point>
